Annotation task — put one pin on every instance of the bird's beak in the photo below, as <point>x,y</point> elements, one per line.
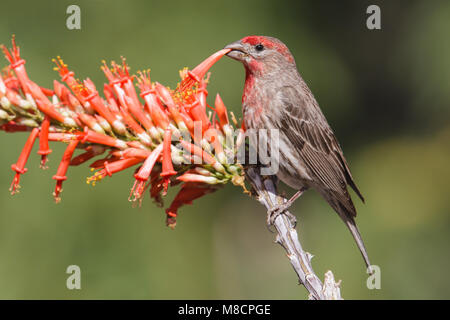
<point>237,51</point>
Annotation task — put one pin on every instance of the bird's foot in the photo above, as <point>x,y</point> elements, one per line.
<point>274,212</point>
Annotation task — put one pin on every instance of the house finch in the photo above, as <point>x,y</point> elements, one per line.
<point>276,97</point>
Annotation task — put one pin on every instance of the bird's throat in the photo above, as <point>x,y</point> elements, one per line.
<point>249,85</point>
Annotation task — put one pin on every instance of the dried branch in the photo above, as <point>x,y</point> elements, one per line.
<point>265,191</point>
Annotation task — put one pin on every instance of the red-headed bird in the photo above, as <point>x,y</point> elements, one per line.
<point>276,97</point>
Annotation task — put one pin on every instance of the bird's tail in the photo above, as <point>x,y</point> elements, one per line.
<point>351,225</point>
<point>347,212</point>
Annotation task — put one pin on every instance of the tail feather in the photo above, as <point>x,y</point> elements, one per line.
<point>351,225</point>
<point>347,212</point>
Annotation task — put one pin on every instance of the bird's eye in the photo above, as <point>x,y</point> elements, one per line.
<point>259,47</point>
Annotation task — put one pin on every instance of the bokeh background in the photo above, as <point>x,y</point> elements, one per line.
<point>385,93</point>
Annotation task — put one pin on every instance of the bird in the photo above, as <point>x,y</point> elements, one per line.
<point>275,96</point>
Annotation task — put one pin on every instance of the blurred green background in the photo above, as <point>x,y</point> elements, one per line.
<point>385,93</point>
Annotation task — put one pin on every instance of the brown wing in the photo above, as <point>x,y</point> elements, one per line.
<point>305,126</point>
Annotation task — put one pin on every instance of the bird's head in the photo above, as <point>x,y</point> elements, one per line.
<point>261,54</point>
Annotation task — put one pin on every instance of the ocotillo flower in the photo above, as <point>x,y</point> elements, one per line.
<point>167,166</point>
<point>157,132</point>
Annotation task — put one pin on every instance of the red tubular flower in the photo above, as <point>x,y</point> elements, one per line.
<point>19,166</point>
<point>138,111</point>
<point>155,109</point>
<point>66,97</point>
<point>130,122</point>
<point>189,122</point>
<point>131,91</point>
<point>91,95</point>
<point>127,95</point>
<point>152,103</point>
<point>68,77</point>
<point>60,175</point>
<point>135,127</point>
<point>144,172</point>
<point>202,93</point>
<point>166,98</point>
<point>127,81</point>
<point>44,149</point>
<point>199,72</point>
<point>11,81</point>
<point>221,111</point>
<point>167,165</point>
<point>131,98</point>
<point>61,93</point>
<point>198,108</point>
<point>12,96</point>
<point>47,92</point>
<point>198,113</point>
<point>136,153</point>
<point>17,63</point>
<point>111,78</point>
<point>109,168</point>
<point>188,193</point>
<point>114,82</point>
<point>99,138</point>
<point>77,88</point>
<point>72,101</point>
<point>119,165</point>
<point>112,102</point>
<point>45,106</point>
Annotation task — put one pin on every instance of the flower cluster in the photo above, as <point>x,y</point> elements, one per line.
<point>170,135</point>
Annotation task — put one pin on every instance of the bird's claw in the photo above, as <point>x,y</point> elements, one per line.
<point>274,212</point>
